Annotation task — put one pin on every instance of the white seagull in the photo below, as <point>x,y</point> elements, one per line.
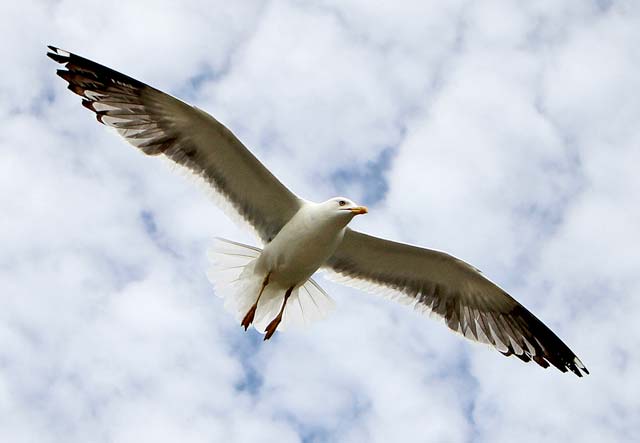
<point>272,287</point>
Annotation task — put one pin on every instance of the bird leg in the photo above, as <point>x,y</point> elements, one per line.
<point>271,328</point>
<point>248,318</point>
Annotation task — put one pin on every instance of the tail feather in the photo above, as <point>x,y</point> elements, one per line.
<point>230,273</point>
<point>233,277</point>
<point>310,304</point>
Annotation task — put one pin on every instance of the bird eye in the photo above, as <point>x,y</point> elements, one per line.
<point>342,202</point>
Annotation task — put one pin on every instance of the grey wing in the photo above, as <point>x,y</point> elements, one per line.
<point>159,124</point>
<point>454,291</point>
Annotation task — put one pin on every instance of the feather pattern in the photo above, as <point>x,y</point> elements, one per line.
<point>452,290</point>
<point>159,124</point>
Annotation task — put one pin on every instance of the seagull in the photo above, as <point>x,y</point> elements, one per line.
<point>271,288</point>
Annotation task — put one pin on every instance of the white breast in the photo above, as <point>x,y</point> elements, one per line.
<point>302,246</point>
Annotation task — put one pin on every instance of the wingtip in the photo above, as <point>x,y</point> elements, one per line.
<point>58,55</point>
<point>576,367</point>
<point>580,367</point>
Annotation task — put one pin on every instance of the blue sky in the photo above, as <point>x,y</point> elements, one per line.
<point>503,132</point>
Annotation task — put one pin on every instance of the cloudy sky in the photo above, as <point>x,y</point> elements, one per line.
<point>503,132</point>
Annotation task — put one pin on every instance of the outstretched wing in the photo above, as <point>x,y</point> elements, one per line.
<point>454,291</point>
<point>159,124</point>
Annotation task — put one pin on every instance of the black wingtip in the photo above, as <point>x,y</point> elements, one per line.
<point>58,55</point>
<point>579,368</point>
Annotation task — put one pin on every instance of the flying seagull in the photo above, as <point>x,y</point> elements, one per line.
<point>272,287</point>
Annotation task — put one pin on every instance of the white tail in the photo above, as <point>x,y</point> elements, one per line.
<point>233,277</point>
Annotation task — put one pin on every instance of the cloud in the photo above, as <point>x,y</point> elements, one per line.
<point>501,132</point>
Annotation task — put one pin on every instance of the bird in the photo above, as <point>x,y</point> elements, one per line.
<point>271,288</point>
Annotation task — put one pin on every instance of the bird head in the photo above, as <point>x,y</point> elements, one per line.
<point>342,205</point>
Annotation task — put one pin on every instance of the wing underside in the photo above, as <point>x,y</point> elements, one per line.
<point>159,124</point>
<point>444,286</point>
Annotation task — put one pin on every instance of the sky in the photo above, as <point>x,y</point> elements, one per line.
<point>503,132</point>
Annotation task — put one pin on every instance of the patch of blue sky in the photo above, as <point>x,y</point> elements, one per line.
<point>151,229</point>
<point>368,178</point>
<point>309,432</point>
<point>251,381</point>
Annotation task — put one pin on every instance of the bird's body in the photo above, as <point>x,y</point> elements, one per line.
<point>287,262</point>
<point>304,244</point>
<point>271,288</point>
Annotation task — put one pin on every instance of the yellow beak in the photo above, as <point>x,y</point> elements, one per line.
<point>359,210</point>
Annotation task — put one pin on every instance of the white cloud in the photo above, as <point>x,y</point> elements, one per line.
<point>511,140</point>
